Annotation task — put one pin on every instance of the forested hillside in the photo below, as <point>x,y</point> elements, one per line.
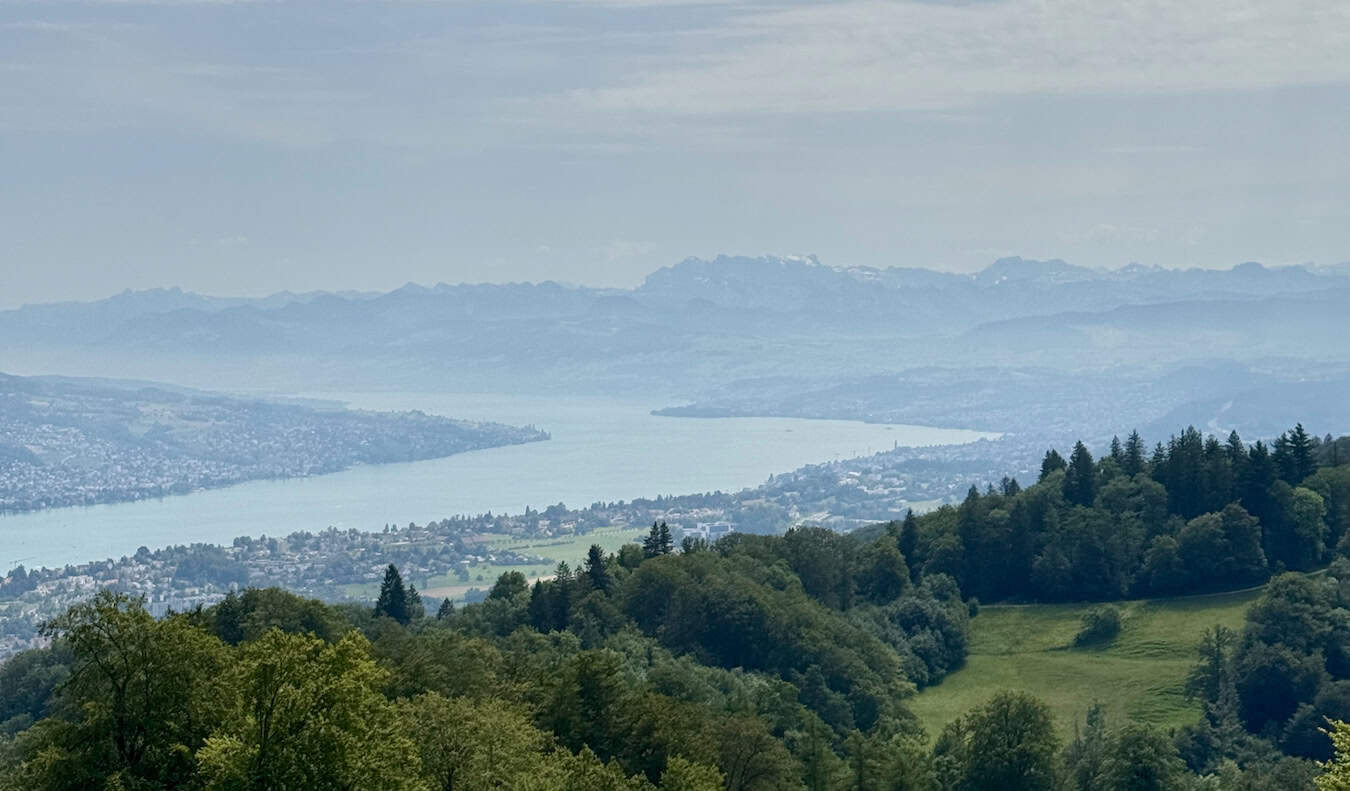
<point>1191,515</point>
<point>758,662</point>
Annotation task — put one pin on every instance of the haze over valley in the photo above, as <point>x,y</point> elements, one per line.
<point>675,395</point>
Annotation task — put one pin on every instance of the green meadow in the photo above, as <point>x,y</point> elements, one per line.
<point>1139,676</point>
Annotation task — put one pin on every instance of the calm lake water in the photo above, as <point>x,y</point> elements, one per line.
<point>602,449</point>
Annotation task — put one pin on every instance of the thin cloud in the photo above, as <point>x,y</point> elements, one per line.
<point>887,56</point>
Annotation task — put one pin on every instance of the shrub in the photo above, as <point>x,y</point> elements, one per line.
<point>1100,625</point>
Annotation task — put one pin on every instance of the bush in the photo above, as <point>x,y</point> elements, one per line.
<point>1100,625</point>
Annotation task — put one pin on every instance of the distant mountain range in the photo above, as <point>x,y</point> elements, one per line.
<point>691,292</point>
<point>693,328</point>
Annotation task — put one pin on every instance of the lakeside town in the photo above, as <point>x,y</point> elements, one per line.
<point>464,553</point>
<point>66,443</point>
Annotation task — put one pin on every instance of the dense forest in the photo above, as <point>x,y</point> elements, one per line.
<point>1191,515</point>
<point>757,662</point>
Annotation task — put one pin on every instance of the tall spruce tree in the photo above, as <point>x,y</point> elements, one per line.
<point>393,600</point>
<point>1080,480</point>
<point>595,568</point>
<point>1133,463</point>
<point>1051,463</point>
<point>658,541</point>
<point>416,609</point>
<point>1303,460</point>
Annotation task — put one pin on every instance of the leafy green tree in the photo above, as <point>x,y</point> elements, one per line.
<point>1164,571</point>
<point>1272,680</point>
<point>1208,677</point>
<point>1307,528</point>
<point>1142,759</point>
<point>882,574</point>
<point>583,771</point>
<point>824,562</point>
<point>30,680</point>
<point>1336,773</point>
<point>1223,548</point>
<point>683,775</point>
<point>1333,484</point>
<point>466,745</point>
<point>509,585</point>
<point>1085,757</point>
<point>145,692</point>
<point>252,613</point>
<point>1305,736</point>
<point>445,661</point>
<point>1294,611</point>
<point>393,599</point>
<point>587,700</point>
<point>1007,743</point>
<point>307,714</point>
<point>751,759</point>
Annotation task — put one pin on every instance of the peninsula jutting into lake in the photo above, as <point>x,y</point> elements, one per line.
<point>79,442</point>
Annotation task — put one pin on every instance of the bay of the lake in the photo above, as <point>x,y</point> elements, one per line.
<point>602,449</point>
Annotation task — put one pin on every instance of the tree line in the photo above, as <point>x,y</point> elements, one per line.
<point>753,663</point>
<point>1194,514</point>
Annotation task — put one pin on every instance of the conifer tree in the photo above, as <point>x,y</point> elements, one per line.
<point>595,568</point>
<point>1302,461</point>
<point>1080,480</point>
<point>1159,458</point>
<point>393,600</point>
<point>446,610</point>
<point>1283,459</point>
<point>1133,463</point>
<point>560,599</point>
<point>658,541</point>
<point>1052,462</point>
<point>909,544</point>
<point>416,609</point>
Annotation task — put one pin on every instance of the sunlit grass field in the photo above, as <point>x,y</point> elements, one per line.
<point>571,549</point>
<point>1138,676</point>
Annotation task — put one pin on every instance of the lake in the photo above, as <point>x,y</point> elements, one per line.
<point>602,449</point>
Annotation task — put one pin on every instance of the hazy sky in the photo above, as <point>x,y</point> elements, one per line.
<point>244,148</point>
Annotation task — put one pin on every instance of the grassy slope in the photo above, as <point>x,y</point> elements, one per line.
<point>1139,676</point>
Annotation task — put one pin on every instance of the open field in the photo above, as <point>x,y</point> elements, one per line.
<point>1138,676</point>
<point>571,549</point>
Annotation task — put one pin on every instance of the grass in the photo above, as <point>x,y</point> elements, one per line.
<point>1138,676</point>
<point>570,548</point>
